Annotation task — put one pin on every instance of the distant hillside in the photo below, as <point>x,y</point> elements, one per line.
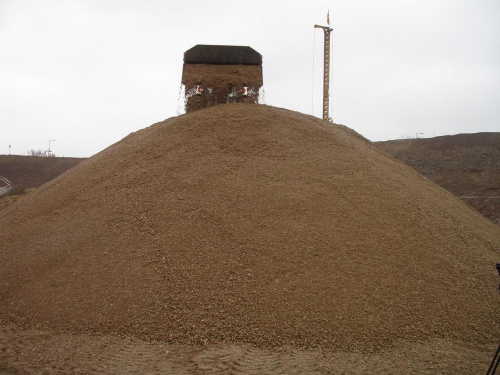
<point>32,171</point>
<point>468,165</point>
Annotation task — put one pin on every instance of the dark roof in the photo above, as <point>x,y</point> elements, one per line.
<point>222,55</point>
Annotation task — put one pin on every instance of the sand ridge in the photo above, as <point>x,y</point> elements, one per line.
<point>249,224</point>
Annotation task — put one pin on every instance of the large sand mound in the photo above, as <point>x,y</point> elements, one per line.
<point>246,223</point>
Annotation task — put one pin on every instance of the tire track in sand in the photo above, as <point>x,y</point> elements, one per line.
<point>135,357</point>
<point>247,359</point>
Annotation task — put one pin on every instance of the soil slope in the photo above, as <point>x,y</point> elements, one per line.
<point>30,171</point>
<point>468,165</point>
<point>249,224</point>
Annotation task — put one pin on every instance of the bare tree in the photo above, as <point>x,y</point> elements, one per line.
<point>40,153</point>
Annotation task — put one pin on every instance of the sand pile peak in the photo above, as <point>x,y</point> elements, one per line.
<point>247,223</point>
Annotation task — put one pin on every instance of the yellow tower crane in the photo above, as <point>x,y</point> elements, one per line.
<point>326,73</point>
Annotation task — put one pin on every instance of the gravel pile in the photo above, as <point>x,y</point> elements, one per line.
<point>247,223</point>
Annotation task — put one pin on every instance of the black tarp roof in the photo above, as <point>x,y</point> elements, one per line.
<point>222,55</point>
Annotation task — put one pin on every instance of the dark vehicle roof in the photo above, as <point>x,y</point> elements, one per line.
<point>222,55</point>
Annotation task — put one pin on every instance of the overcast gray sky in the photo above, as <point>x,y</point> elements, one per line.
<point>88,72</point>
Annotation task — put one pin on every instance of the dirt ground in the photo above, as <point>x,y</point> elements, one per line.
<point>467,165</point>
<point>30,171</point>
<point>246,239</point>
<point>37,352</point>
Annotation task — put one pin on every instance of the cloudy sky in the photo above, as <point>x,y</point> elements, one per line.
<point>86,73</point>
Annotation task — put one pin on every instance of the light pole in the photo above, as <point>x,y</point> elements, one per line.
<point>50,140</point>
<point>9,149</point>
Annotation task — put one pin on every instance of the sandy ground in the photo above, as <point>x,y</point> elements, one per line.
<point>36,352</point>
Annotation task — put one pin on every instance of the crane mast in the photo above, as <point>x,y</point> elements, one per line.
<point>326,72</point>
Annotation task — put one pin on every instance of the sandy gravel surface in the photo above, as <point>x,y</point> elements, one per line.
<point>34,352</point>
<point>256,228</point>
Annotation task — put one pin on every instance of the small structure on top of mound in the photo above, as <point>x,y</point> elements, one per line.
<point>215,74</point>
